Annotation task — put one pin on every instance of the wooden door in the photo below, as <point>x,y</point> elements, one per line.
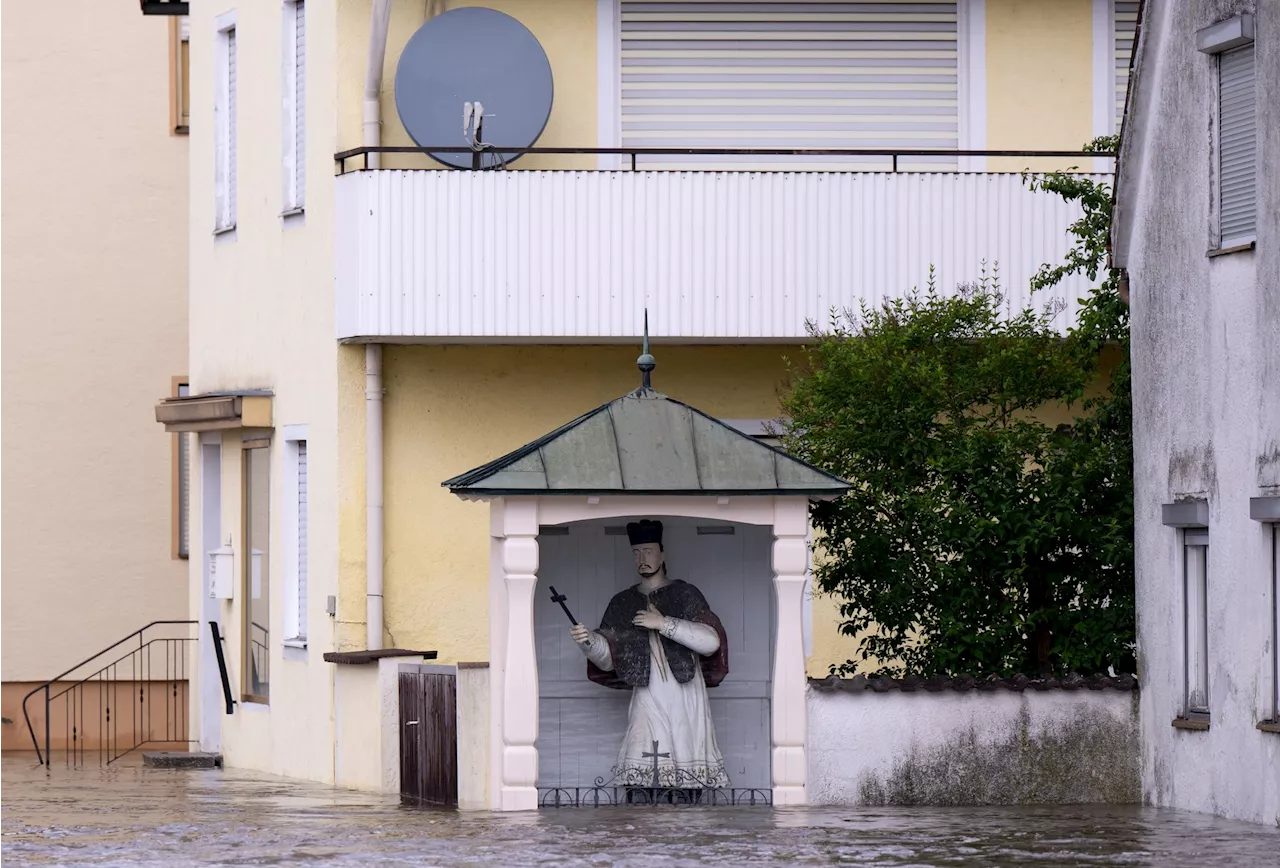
<point>428,737</point>
<point>582,724</point>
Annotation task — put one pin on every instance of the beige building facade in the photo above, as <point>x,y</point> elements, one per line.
<point>95,329</point>
<point>403,329</point>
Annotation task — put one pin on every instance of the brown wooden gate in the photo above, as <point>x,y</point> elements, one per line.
<point>428,738</point>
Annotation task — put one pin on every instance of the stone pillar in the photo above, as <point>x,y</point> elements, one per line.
<point>519,760</point>
<point>790,722</point>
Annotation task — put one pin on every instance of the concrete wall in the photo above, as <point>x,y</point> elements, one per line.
<point>972,748</point>
<point>1206,369</point>
<point>95,313</point>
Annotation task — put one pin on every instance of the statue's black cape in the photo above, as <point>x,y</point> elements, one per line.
<point>629,644</point>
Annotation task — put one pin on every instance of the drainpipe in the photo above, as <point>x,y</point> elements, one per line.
<point>373,495</point>
<point>372,113</point>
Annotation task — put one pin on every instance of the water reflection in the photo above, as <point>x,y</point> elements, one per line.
<point>131,816</point>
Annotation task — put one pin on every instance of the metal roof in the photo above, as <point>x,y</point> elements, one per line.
<point>647,443</point>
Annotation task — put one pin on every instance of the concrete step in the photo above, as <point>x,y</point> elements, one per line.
<point>177,759</point>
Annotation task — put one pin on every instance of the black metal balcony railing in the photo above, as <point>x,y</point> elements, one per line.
<point>496,156</point>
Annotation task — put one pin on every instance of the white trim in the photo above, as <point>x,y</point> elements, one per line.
<point>1104,75</point>
<point>608,84</point>
<point>973,82</point>
<point>293,194</point>
<point>224,126</point>
<point>513,578</point>
<point>294,621</point>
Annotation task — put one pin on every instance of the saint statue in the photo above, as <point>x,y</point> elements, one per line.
<point>660,639</point>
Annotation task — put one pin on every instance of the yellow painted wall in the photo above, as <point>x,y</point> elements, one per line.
<point>567,31</point>
<point>95,327</point>
<point>1039,79</point>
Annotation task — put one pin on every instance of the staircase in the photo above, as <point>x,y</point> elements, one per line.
<point>129,695</point>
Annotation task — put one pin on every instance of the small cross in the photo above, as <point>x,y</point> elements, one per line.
<point>655,756</point>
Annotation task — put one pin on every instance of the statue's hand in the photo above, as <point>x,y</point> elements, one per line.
<point>580,634</point>
<point>649,618</point>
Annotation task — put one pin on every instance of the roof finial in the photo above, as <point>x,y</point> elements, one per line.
<point>646,363</point>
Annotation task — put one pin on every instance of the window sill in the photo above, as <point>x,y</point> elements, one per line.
<point>182,130</point>
<point>1234,248</point>
<point>1269,726</point>
<point>293,212</point>
<point>295,643</point>
<point>225,230</point>
<point>1194,722</point>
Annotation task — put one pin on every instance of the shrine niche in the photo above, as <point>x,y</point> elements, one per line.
<point>668,665</point>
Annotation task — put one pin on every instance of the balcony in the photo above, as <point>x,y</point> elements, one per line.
<point>427,256</point>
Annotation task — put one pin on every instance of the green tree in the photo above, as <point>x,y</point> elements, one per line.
<point>977,538</point>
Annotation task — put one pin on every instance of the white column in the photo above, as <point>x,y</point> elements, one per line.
<point>790,722</point>
<point>519,759</point>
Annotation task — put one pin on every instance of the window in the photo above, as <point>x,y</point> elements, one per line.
<point>1236,132</point>
<point>1237,148</point>
<point>181,511</point>
<point>224,119</point>
<point>725,74</point>
<point>1124,24</point>
<point>1267,509</point>
<point>294,103</point>
<point>1195,584</point>
<point>180,74</point>
<point>295,524</point>
<point>256,566</point>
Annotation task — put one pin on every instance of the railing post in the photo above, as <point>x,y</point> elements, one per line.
<point>47,739</point>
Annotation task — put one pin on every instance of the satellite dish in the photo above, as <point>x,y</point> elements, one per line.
<point>473,55</point>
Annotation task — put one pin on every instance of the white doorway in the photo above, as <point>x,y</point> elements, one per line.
<point>581,724</point>
<point>212,702</point>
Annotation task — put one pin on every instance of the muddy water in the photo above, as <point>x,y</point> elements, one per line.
<point>135,816</point>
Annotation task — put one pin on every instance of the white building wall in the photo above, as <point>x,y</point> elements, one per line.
<point>1206,375</point>
<point>972,748</point>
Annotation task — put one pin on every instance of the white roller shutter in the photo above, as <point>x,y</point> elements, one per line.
<point>231,128</point>
<point>302,539</point>
<point>1124,22</point>
<point>790,75</point>
<point>1238,147</point>
<point>299,104</point>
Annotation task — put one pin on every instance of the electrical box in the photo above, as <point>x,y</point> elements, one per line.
<point>222,573</point>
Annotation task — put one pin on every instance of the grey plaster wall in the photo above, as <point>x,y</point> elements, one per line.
<point>1206,375</point>
<point>973,748</point>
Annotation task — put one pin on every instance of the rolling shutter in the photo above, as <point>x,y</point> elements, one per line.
<point>302,539</point>
<point>1238,150</point>
<point>299,104</point>
<point>1124,23</point>
<point>231,128</point>
<point>790,75</point>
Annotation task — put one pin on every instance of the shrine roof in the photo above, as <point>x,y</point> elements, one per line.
<point>646,443</point>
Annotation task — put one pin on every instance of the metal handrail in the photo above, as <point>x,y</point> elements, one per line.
<point>43,757</point>
<point>341,157</point>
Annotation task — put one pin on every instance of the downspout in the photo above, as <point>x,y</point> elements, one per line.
<point>373,495</point>
<point>372,112</point>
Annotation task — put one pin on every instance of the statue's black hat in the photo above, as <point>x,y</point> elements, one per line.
<point>644,531</point>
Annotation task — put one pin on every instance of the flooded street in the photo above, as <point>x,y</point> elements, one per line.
<point>135,816</point>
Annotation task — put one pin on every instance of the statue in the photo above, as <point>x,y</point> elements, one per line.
<point>660,639</point>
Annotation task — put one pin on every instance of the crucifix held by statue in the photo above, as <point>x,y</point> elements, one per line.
<point>660,640</point>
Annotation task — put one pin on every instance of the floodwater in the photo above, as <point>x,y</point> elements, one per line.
<point>134,816</point>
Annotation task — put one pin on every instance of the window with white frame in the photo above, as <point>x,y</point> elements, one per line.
<point>296,523</point>
<point>224,124</point>
<point>1267,510</point>
<point>1195,585</point>
<point>1236,140</point>
<point>293,85</point>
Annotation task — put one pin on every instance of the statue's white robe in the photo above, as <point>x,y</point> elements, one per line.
<point>676,716</point>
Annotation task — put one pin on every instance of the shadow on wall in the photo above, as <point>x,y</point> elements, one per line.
<point>1092,758</point>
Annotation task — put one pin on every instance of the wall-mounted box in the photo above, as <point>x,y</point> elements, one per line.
<point>222,573</point>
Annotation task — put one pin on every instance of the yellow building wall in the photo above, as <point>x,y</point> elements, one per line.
<point>1039,79</point>
<point>94,328</point>
<point>565,28</point>
<point>449,409</point>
